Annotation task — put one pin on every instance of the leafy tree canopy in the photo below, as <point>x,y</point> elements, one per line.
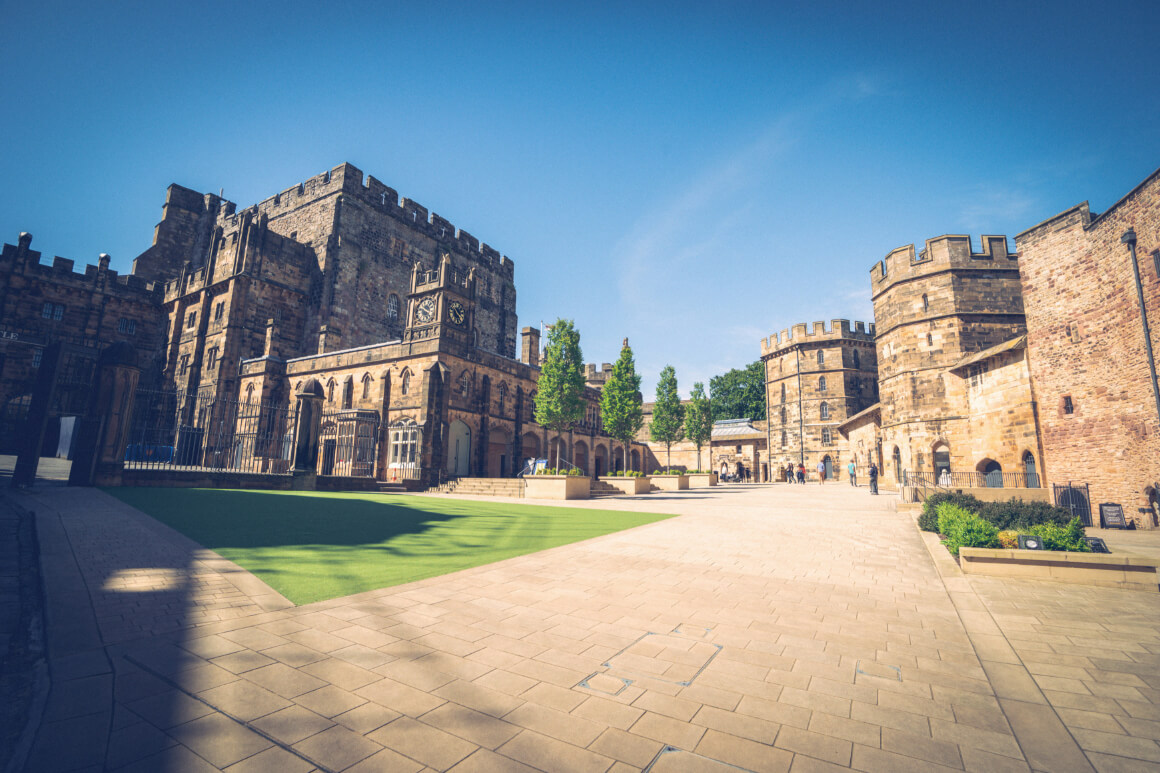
<point>560,389</point>
<point>699,417</point>
<point>620,400</point>
<point>668,414</point>
<point>739,394</point>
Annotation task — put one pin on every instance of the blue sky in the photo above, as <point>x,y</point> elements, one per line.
<point>692,176</point>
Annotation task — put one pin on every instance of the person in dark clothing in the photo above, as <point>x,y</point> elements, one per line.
<point>873,478</point>
<point>789,473</point>
<point>801,473</point>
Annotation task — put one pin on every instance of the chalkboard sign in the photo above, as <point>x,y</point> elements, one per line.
<point>1112,515</point>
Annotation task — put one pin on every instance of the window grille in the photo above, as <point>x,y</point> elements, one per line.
<point>393,307</point>
<point>1068,405</point>
<point>821,357</point>
<point>126,326</point>
<point>827,436</point>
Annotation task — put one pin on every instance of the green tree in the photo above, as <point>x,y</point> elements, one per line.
<point>668,414</point>
<point>620,401</point>
<point>739,394</point>
<point>560,390</point>
<point>699,419</point>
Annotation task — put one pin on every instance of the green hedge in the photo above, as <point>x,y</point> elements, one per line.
<point>963,529</point>
<point>1056,537</point>
<point>1014,515</point>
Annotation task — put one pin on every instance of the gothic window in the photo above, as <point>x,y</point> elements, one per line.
<point>392,308</point>
<point>821,357</point>
<point>502,390</point>
<point>217,310</point>
<point>366,382</point>
<point>184,364</point>
<point>925,303</point>
<point>211,355</point>
<point>783,415</point>
<point>824,410</point>
<point>348,392</point>
<point>330,391</point>
<point>126,326</point>
<point>857,363</point>
<point>827,436</point>
<point>191,319</point>
<point>405,382</point>
<point>465,384</point>
<point>822,384</point>
<point>783,393</point>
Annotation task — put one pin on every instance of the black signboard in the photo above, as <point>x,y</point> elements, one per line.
<point>1112,515</point>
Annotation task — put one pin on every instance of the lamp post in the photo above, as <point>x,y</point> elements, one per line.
<point>1129,238</point>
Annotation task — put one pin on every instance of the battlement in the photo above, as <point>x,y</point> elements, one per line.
<point>839,330</point>
<point>20,257</point>
<point>591,374</point>
<point>349,180</point>
<point>940,253</point>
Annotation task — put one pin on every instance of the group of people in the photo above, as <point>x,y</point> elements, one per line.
<point>798,474</point>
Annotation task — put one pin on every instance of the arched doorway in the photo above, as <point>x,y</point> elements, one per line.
<point>635,457</point>
<point>897,459</point>
<point>1029,470</point>
<point>529,449</point>
<point>558,453</point>
<point>498,449</point>
<point>829,466</point>
<point>459,449</point>
<point>600,461</point>
<point>942,460</point>
<point>992,473</point>
<point>580,456</point>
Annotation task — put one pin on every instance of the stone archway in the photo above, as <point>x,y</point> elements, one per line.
<point>990,473</point>
<point>600,460</point>
<point>635,460</point>
<point>498,450</point>
<point>529,449</point>
<point>580,456</point>
<point>459,449</point>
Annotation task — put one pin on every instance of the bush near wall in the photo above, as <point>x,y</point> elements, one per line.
<point>963,529</point>
<point>1014,515</point>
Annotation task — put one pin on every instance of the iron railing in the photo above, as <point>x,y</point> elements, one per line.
<point>191,431</point>
<point>948,480</point>
<point>348,443</point>
<point>1075,497</point>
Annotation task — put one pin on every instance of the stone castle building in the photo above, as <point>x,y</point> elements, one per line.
<point>814,382</point>
<point>952,374</point>
<point>1091,287</point>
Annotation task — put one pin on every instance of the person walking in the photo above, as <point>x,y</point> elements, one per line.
<point>853,472</point>
<point>821,472</point>
<point>801,473</point>
<point>789,473</point>
<point>873,478</point>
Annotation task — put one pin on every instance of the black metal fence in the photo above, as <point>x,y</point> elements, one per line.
<point>348,443</point>
<point>948,479</point>
<point>190,431</point>
<point>1075,497</point>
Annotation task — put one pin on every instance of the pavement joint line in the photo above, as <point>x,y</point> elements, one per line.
<point>249,726</point>
<point>685,683</point>
<point>931,546</point>
<point>676,750</point>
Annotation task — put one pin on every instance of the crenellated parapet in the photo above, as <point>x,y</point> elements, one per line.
<point>838,330</point>
<point>952,251</point>
<point>348,180</point>
<point>20,258</point>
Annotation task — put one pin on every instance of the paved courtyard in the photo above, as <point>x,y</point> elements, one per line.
<point>799,628</point>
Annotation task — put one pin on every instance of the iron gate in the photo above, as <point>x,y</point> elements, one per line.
<point>1076,498</point>
<point>348,443</point>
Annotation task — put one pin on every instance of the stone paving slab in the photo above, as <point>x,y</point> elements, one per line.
<point>767,628</point>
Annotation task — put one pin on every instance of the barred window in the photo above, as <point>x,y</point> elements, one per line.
<point>821,357</point>
<point>465,384</point>
<point>126,326</point>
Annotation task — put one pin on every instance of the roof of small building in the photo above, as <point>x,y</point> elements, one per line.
<point>735,428</point>
<point>859,416</point>
<point>1015,343</point>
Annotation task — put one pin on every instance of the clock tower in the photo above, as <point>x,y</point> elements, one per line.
<point>442,305</point>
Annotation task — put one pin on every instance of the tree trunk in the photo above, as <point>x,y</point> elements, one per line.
<point>668,457</point>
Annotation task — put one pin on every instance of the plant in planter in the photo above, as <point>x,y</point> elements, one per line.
<point>963,529</point>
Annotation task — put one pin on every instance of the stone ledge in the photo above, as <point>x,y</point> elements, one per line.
<point>1118,570</point>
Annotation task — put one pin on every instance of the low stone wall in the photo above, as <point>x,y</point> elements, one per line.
<point>557,487</point>
<point>671,482</point>
<point>628,485</point>
<point>346,483</point>
<point>983,493</point>
<point>1116,570</point>
<point>205,479</point>
<point>704,480</point>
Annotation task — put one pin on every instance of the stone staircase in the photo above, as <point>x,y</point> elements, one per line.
<point>602,489</point>
<point>483,487</point>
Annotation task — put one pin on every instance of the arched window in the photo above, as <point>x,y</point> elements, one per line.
<point>824,410</point>
<point>465,384</point>
<point>822,384</point>
<point>783,394</point>
<point>330,391</point>
<point>392,308</point>
<point>783,437</point>
<point>783,415</point>
<point>942,459</point>
<point>348,392</point>
<point>502,391</point>
<point>827,436</point>
<point>366,383</point>
<point>821,357</point>
<point>405,382</point>
<point>250,393</point>
<point>1029,470</point>
<point>857,363</point>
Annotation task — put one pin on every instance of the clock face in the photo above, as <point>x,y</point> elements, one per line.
<point>426,311</point>
<point>457,313</point>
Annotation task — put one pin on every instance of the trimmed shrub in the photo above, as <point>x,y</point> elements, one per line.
<point>1013,515</point>
<point>1009,539</point>
<point>928,520</point>
<point>1056,537</point>
<point>964,529</point>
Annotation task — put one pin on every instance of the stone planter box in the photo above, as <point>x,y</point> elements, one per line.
<point>671,482</point>
<point>557,487</point>
<point>627,485</point>
<point>1115,570</point>
<point>703,480</point>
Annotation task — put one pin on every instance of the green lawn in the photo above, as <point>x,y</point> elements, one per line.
<point>313,546</point>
